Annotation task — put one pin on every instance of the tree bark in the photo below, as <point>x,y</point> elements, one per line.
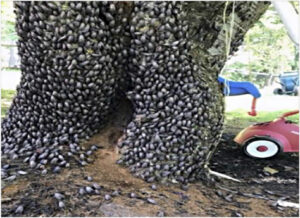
<point>77,56</point>
<point>217,30</point>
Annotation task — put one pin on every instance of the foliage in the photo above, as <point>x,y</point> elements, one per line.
<point>8,32</point>
<point>242,74</point>
<point>269,50</point>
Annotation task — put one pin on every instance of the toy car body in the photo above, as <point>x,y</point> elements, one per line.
<point>264,140</point>
<point>289,82</point>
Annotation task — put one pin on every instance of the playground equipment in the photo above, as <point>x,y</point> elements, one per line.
<point>265,140</point>
<point>232,88</point>
<point>289,82</point>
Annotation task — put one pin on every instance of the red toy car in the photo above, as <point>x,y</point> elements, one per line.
<point>264,140</point>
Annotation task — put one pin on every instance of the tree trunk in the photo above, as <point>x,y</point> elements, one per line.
<point>76,57</point>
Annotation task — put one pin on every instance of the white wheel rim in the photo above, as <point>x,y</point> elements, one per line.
<point>252,149</point>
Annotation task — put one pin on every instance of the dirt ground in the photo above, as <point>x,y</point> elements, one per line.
<point>255,195</point>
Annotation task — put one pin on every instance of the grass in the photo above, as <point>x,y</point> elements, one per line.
<point>7,94</point>
<point>261,116</point>
<point>237,119</point>
<point>13,69</point>
<point>6,98</point>
<point>3,111</point>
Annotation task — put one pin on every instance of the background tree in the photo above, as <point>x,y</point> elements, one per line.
<point>269,50</point>
<point>8,22</point>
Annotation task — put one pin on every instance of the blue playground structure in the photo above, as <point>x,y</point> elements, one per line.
<point>289,82</point>
<point>233,88</point>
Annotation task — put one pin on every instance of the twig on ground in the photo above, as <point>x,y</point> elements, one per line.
<point>221,175</point>
<point>287,204</point>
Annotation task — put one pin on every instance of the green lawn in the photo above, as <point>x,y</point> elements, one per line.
<point>11,69</point>
<point>3,111</point>
<point>6,98</point>
<point>233,120</point>
<point>239,119</point>
<point>7,94</point>
<point>260,117</point>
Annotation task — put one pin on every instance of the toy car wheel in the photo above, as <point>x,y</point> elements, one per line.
<point>295,92</point>
<point>261,148</point>
<point>277,91</point>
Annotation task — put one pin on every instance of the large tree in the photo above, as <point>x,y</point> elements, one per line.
<point>79,58</point>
